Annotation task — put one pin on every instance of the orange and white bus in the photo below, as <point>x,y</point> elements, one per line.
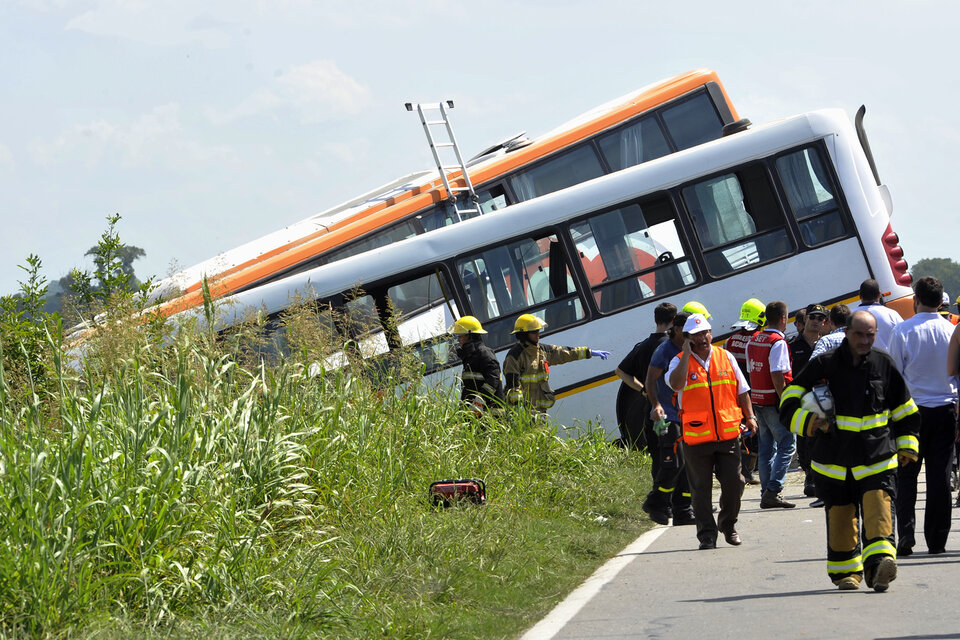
<point>793,210</point>
<point>661,118</point>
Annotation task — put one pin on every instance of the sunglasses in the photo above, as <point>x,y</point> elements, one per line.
<point>816,316</point>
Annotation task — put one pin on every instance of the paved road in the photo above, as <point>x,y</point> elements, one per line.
<point>773,586</point>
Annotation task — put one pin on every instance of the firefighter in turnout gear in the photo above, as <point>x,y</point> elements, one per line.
<point>482,387</point>
<point>527,365</point>
<point>857,448</point>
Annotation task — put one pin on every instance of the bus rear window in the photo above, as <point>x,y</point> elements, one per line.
<point>810,194</point>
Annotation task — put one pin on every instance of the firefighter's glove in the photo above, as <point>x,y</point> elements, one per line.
<point>906,457</point>
<point>603,355</point>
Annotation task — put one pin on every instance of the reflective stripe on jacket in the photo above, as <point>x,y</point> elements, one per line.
<point>875,416</point>
<point>709,409</point>
<point>527,372</point>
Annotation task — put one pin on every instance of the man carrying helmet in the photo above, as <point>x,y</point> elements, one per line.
<point>857,447</point>
<point>527,365</point>
<point>752,315</point>
<point>482,387</point>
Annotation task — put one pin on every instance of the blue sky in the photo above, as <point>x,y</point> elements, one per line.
<point>208,124</point>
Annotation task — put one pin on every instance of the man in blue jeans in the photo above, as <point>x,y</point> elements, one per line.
<point>768,359</point>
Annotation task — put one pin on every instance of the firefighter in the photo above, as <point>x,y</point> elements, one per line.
<point>752,314</point>
<point>482,387</point>
<point>858,444</point>
<point>527,365</point>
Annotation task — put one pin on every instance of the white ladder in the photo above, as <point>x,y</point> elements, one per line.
<point>449,143</point>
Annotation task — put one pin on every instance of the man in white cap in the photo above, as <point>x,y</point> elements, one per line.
<point>714,399</point>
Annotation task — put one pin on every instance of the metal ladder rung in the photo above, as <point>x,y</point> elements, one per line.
<point>447,140</point>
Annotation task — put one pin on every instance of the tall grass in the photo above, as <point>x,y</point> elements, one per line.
<point>179,491</point>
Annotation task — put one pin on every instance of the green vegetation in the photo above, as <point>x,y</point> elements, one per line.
<point>945,270</point>
<point>154,487</point>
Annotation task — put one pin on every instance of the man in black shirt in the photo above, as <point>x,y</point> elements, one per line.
<point>633,410</point>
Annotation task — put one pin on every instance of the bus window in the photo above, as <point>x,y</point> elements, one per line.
<point>632,253</point>
<point>810,194</point>
<point>692,122</point>
<point>563,170</point>
<point>738,220</point>
<point>423,315</point>
<point>524,276</point>
<point>361,320</point>
<point>493,199</point>
<point>641,141</point>
<point>394,233</point>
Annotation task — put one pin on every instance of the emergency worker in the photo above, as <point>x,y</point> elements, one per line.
<point>527,365</point>
<point>752,317</point>
<point>768,358</point>
<point>482,387</point>
<point>714,399</point>
<point>864,424</point>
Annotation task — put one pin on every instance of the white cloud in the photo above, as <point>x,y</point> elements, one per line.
<point>156,23</point>
<point>317,90</point>
<point>153,139</point>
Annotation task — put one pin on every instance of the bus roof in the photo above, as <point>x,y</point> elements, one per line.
<point>419,190</point>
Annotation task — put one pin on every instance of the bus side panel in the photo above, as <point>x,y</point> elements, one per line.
<point>830,273</point>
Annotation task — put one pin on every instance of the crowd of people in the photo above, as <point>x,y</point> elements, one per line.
<point>861,398</point>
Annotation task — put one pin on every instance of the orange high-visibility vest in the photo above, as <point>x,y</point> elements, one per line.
<point>710,412</point>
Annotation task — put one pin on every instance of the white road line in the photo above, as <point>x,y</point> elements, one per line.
<point>566,610</point>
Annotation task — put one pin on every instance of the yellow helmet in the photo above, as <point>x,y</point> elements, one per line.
<point>752,312</point>
<point>695,307</point>
<point>528,322</point>
<point>466,324</point>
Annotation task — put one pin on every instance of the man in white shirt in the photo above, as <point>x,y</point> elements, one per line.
<point>919,348</point>
<point>887,318</point>
<point>768,361</point>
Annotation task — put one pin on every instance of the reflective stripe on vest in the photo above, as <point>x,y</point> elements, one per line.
<point>710,411</point>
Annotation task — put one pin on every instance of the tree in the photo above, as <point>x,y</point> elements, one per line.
<point>945,270</point>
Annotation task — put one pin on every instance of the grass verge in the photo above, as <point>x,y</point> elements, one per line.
<point>178,493</point>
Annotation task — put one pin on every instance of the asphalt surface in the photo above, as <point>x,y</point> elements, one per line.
<point>774,585</point>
